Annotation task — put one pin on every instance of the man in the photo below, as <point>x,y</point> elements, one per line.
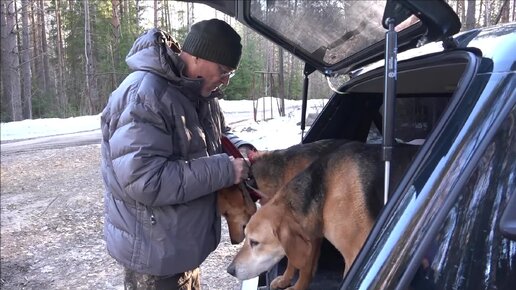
<point>161,156</point>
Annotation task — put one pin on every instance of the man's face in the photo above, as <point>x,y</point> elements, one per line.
<point>214,75</point>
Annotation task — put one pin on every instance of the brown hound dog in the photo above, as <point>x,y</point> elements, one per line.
<point>337,197</point>
<point>237,207</point>
<point>271,170</point>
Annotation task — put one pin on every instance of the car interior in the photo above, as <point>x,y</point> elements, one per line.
<point>419,104</point>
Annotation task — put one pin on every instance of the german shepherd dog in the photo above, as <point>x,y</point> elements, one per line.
<point>270,170</point>
<point>273,169</point>
<point>337,197</point>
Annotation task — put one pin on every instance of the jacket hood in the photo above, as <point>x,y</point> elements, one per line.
<point>149,53</point>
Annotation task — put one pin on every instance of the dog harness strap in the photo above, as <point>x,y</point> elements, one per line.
<point>229,148</point>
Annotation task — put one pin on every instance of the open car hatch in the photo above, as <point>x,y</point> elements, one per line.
<point>337,36</point>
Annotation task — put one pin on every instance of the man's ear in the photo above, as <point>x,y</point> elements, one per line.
<point>295,242</point>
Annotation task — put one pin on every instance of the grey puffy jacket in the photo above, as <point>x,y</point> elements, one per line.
<point>161,164</point>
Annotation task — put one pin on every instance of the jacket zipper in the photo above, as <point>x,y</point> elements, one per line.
<point>152,217</point>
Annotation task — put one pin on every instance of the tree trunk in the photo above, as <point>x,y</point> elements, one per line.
<point>13,83</point>
<point>156,20</point>
<point>36,48</point>
<point>122,12</point>
<point>163,19</point>
<point>503,14</point>
<point>487,15</point>
<point>292,72</point>
<point>281,83</point>
<point>5,75</point>
<point>61,89</point>
<point>189,15</point>
<point>137,15</point>
<point>480,13</point>
<point>168,16</point>
<point>463,11</point>
<point>44,46</point>
<point>460,10</point>
<point>26,71</point>
<point>90,84</point>
<point>470,15</point>
<point>115,25</point>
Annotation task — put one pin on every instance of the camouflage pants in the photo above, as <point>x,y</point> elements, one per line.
<point>189,280</point>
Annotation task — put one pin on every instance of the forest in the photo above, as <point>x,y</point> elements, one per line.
<point>63,58</point>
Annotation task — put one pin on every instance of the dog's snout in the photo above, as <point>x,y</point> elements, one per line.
<point>231,269</point>
<point>234,242</point>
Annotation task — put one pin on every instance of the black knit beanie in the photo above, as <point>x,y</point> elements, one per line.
<point>214,40</point>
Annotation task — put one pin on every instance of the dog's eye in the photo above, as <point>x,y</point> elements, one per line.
<point>253,243</point>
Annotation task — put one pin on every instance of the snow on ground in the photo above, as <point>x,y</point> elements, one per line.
<point>265,133</point>
<point>28,129</point>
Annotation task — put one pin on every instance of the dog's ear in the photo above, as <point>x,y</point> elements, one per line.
<point>295,242</point>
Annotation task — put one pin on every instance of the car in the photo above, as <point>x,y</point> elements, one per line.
<point>451,221</point>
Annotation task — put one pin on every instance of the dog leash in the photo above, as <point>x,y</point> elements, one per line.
<point>229,148</point>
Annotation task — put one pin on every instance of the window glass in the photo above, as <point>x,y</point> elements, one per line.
<point>469,251</point>
<point>415,119</point>
<point>327,30</point>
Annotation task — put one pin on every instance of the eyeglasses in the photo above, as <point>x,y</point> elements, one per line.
<point>224,72</point>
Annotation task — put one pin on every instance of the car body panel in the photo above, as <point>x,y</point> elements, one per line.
<point>498,45</point>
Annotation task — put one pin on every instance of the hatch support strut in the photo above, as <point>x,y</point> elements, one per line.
<point>309,69</point>
<point>389,95</point>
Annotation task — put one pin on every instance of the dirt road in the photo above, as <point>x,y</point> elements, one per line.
<point>51,222</point>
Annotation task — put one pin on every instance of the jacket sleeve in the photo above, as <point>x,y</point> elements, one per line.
<point>142,164</point>
<point>237,141</point>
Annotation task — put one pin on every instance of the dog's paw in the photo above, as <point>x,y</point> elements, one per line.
<point>280,282</point>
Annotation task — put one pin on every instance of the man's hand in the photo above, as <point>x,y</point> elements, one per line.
<point>241,167</point>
